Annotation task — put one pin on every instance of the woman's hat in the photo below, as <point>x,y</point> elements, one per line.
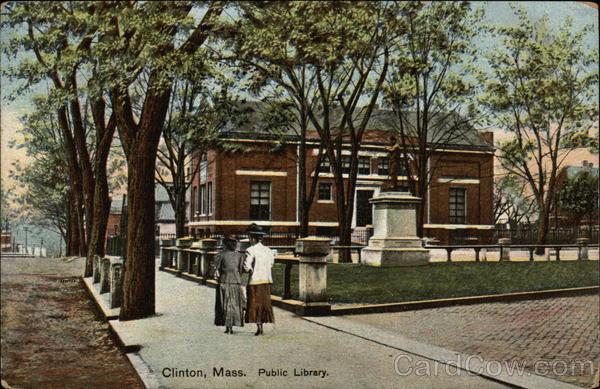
<point>230,238</point>
<point>254,229</point>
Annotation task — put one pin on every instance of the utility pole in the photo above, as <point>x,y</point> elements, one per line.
<point>26,230</point>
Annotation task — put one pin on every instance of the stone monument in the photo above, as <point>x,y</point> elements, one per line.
<point>394,241</point>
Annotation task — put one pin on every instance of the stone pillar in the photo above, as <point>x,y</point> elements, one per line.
<point>504,249</point>
<point>105,275</point>
<point>165,255</point>
<point>395,241</point>
<point>207,253</point>
<point>182,258</point>
<point>96,272</point>
<point>116,282</point>
<point>582,248</point>
<point>313,254</point>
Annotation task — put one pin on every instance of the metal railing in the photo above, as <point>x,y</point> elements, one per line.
<point>529,247</point>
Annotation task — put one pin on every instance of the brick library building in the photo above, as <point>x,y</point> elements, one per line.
<point>261,184</point>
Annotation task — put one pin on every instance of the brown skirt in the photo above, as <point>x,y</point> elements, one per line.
<point>259,308</point>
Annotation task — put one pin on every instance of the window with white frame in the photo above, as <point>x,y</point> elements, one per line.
<point>383,166</point>
<point>209,198</point>
<point>457,205</point>
<point>202,198</point>
<point>325,191</point>
<point>260,200</point>
<point>203,167</point>
<point>364,165</point>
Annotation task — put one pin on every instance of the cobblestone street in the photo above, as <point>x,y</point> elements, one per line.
<point>560,334</point>
<point>51,337</point>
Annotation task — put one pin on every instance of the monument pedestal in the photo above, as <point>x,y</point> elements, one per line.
<point>394,241</point>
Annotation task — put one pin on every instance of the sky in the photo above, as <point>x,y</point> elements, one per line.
<point>495,13</point>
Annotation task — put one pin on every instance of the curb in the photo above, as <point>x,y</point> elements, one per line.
<point>468,300</point>
<point>106,312</point>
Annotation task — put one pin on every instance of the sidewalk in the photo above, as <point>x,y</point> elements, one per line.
<point>182,341</point>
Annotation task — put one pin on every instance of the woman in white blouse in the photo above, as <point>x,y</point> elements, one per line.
<point>259,261</point>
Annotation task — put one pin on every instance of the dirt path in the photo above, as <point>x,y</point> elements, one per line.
<point>51,335</point>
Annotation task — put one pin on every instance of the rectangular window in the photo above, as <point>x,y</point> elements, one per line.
<point>203,168</point>
<point>260,200</point>
<point>383,166</point>
<point>457,205</point>
<point>364,165</point>
<point>202,199</point>
<point>325,192</point>
<point>209,198</point>
<point>345,164</point>
<point>325,166</point>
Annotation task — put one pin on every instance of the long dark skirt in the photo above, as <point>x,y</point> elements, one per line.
<point>229,305</point>
<point>259,304</point>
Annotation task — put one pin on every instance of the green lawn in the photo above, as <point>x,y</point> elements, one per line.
<point>353,283</point>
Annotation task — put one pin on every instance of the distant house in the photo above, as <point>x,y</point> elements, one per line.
<point>233,189</point>
<point>164,212</point>
<point>6,241</point>
<point>114,218</point>
<point>562,217</point>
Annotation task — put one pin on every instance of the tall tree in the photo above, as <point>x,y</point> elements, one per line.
<point>579,196</point>
<point>328,56</point>
<point>142,38</point>
<point>542,89</point>
<point>58,36</point>
<point>511,201</point>
<point>429,87</point>
<point>45,180</point>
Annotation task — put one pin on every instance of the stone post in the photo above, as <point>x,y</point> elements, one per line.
<point>116,282</point>
<point>96,272</point>
<point>165,255</point>
<point>105,275</point>
<point>182,257</point>
<point>582,248</point>
<point>395,241</point>
<point>313,254</point>
<point>504,249</point>
<point>207,253</point>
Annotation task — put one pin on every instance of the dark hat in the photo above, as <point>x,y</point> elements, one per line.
<point>230,238</point>
<point>254,229</point>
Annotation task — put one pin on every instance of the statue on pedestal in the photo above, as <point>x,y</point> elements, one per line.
<point>394,166</point>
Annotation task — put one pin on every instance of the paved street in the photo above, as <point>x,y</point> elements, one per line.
<point>556,332</point>
<point>51,335</point>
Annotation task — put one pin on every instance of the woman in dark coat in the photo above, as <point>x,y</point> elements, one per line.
<point>229,300</point>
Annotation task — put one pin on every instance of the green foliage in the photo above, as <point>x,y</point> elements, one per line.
<point>542,88</point>
<point>579,194</point>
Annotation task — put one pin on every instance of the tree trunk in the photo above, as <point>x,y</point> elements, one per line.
<point>100,219</point>
<point>139,276</point>
<point>180,213</point>
<point>543,227</point>
<point>72,238</point>
<point>345,255</point>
